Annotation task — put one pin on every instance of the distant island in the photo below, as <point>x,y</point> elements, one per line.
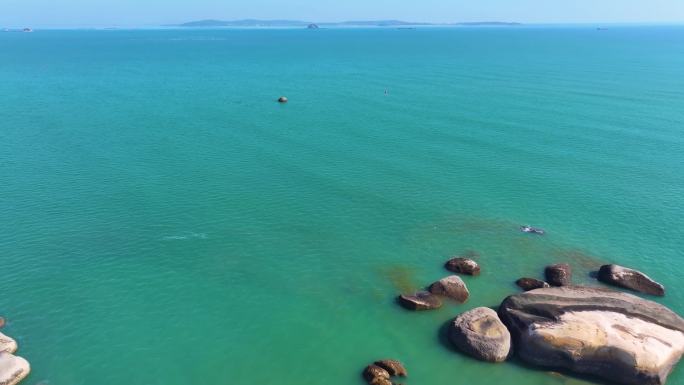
<point>304,24</point>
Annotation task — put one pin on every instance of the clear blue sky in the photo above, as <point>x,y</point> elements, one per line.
<point>65,13</point>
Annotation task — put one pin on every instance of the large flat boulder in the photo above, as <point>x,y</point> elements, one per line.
<point>630,279</point>
<point>480,334</point>
<point>7,344</point>
<point>13,369</point>
<point>616,336</point>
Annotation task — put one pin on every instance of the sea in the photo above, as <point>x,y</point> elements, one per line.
<point>164,220</point>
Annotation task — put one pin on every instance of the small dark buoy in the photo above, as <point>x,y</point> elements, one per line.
<point>282,99</point>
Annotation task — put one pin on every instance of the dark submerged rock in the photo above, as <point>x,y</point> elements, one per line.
<point>463,266</point>
<point>481,334</point>
<point>559,274</point>
<point>612,335</point>
<point>630,279</point>
<point>421,300</point>
<point>374,374</point>
<point>393,367</point>
<point>528,284</point>
<point>452,287</point>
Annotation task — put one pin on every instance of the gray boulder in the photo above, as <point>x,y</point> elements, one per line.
<point>463,266</point>
<point>612,335</point>
<point>481,334</point>
<point>559,274</point>
<point>452,287</point>
<point>422,300</point>
<point>528,284</point>
<point>630,279</point>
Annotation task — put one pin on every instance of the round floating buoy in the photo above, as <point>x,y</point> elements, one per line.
<point>282,99</point>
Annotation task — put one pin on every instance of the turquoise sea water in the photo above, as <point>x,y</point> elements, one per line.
<point>164,221</point>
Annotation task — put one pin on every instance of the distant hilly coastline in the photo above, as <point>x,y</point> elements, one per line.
<point>298,23</point>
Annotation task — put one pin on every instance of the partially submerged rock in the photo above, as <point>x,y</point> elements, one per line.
<point>12,369</point>
<point>374,374</point>
<point>528,284</point>
<point>630,279</point>
<point>616,336</point>
<point>559,274</point>
<point>452,287</point>
<point>481,334</point>
<point>463,266</point>
<point>422,300</point>
<point>7,344</point>
<point>393,367</point>
<point>282,99</point>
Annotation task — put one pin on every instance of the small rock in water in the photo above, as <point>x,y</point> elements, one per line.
<point>421,300</point>
<point>393,367</point>
<point>13,369</point>
<point>282,99</point>
<point>481,334</point>
<point>452,287</point>
<point>376,375</point>
<point>528,284</point>
<point>559,274</point>
<point>2,322</point>
<point>7,345</point>
<point>630,279</point>
<point>463,266</point>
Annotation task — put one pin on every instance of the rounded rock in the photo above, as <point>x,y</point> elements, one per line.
<point>373,373</point>
<point>393,367</point>
<point>528,284</point>
<point>559,274</point>
<point>13,369</point>
<point>463,266</point>
<point>452,287</point>
<point>282,99</point>
<point>481,334</point>
<point>630,279</point>
<point>7,344</point>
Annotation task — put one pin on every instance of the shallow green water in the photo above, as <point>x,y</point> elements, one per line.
<point>164,221</point>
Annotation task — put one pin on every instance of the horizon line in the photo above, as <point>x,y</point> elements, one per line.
<point>416,23</point>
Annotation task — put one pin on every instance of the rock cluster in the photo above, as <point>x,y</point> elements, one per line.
<point>590,331</point>
<point>380,372</point>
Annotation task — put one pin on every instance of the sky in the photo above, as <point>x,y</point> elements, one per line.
<point>92,13</point>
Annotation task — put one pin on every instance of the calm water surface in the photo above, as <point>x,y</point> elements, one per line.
<point>164,221</point>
